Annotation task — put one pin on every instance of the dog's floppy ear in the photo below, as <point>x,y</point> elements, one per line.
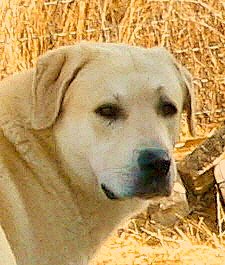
<point>189,103</point>
<point>52,76</point>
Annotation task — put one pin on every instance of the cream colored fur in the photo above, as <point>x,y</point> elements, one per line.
<point>53,147</point>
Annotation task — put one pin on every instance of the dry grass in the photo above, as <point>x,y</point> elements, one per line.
<point>189,243</point>
<point>194,31</point>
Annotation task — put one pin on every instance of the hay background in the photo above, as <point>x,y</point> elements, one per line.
<point>193,30</point>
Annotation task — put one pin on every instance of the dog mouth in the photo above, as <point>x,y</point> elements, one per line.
<point>110,195</point>
<point>166,192</point>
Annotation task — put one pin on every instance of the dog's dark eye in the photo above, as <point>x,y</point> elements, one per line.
<point>168,109</point>
<point>109,111</point>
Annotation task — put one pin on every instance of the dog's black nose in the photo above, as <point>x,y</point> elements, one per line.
<point>154,162</point>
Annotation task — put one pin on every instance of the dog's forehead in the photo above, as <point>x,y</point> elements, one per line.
<point>127,72</point>
<point>126,57</point>
<point>124,72</point>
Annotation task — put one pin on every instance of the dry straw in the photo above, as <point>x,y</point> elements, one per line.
<point>189,242</point>
<point>191,29</point>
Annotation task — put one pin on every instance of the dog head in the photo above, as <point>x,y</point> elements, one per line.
<point>115,112</point>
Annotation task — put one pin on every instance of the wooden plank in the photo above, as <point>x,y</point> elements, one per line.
<point>196,169</point>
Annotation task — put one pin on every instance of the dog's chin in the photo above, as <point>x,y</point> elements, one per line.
<point>143,196</point>
<point>153,195</point>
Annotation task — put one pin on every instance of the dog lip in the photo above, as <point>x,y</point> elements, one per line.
<point>108,192</point>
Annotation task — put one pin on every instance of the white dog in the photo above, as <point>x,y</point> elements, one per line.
<point>86,138</point>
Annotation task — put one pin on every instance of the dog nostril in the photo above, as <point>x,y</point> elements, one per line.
<point>155,161</point>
